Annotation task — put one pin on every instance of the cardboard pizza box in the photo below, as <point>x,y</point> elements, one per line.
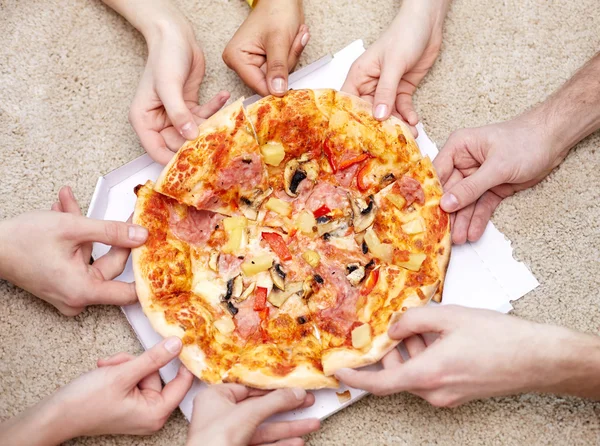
<point>482,274</point>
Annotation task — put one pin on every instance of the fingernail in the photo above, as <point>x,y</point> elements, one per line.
<point>70,191</point>
<point>278,85</point>
<point>189,130</point>
<point>304,39</point>
<point>300,394</point>
<point>173,344</point>
<point>380,111</point>
<point>138,233</point>
<point>449,203</point>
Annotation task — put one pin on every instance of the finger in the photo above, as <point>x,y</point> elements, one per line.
<point>150,139</point>
<point>455,177</point>
<point>421,320</point>
<point>151,382</point>
<point>67,201</point>
<point>56,207</point>
<point>272,432</point>
<point>110,292</point>
<point>298,46</point>
<point>248,69</point>
<point>281,400</point>
<point>382,382</point>
<point>172,138</point>
<point>278,49</point>
<point>171,95</point>
<point>414,345</point>
<point>469,189</point>
<point>113,233</point>
<point>406,108</point>
<point>117,359</point>
<point>287,442</point>
<point>176,389</point>
<point>461,224</point>
<point>113,262</point>
<point>351,83</point>
<point>151,360</point>
<point>213,105</point>
<point>392,359</point>
<point>483,212</point>
<point>385,94</point>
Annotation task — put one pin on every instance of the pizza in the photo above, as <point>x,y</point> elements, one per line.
<point>286,239</point>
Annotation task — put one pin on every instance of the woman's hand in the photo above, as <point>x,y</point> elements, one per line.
<point>234,415</point>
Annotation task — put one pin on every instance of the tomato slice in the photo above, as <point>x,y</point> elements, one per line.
<point>323,210</point>
<point>260,299</point>
<point>360,177</point>
<point>370,282</point>
<point>277,244</point>
<point>352,161</point>
<point>330,156</point>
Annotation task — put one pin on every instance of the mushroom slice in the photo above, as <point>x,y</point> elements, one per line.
<point>278,276</point>
<point>277,297</point>
<point>213,260</point>
<point>247,292</point>
<point>363,212</point>
<point>296,171</point>
<point>356,273</point>
<point>251,204</point>
<point>238,286</point>
<point>308,287</point>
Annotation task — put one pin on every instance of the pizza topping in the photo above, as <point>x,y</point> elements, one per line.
<point>229,266</point>
<point>361,177</point>
<point>260,298</point>
<point>245,170</point>
<point>279,206</point>
<point>318,279</point>
<point>301,320</point>
<point>383,251</point>
<point>238,286</point>
<point>278,276</point>
<point>306,222</point>
<point>229,290</point>
<point>225,325</point>
<point>312,257</point>
<point>345,177</point>
<point>364,247</point>
<point>336,228</point>
<point>356,273</point>
<point>235,228</point>
<point>355,160</point>
<point>277,244</point>
<point>411,190</point>
<point>273,153</point>
<point>361,336</point>
<point>415,226</point>
<point>257,264</point>
<point>322,211</point>
<point>278,297</point>
<point>327,194</point>
<point>363,212</point>
<point>396,200</point>
<point>296,171</point>
<point>196,228</point>
<point>370,282</point>
<point>250,205</point>
<point>415,260</point>
<point>231,308</point>
<point>247,292</point>
<point>213,260</point>
<point>308,287</point>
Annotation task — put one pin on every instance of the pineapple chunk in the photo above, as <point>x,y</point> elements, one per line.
<point>279,206</point>
<point>231,223</point>
<point>273,153</point>
<point>306,222</point>
<point>312,258</point>
<point>415,226</point>
<point>414,262</point>
<point>383,251</point>
<point>235,228</point>
<point>396,200</point>
<point>225,325</point>
<point>257,264</point>
<point>361,336</point>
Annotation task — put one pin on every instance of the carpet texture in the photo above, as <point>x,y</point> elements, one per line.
<point>68,71</point>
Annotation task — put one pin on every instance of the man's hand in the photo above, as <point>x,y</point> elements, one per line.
<point>268,45</point>
<point>48,254</point>
<point>480,167</point>
<point>124,395</point>
<point>388,73</point>
<point>234,415</point>
<point>479,354</point>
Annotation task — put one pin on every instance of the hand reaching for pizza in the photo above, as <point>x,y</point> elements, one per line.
<point>480,167</point>
<point>268,45</point>
<point>235,415</point>
<point>479,354</point>
<point>124,395</point>
<point>165,111</point>
<point>388,73</point>
<point>48,254</point>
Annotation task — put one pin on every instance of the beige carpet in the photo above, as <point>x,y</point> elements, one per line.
<point>68,71</point>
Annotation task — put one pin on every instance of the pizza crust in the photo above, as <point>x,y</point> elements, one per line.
<point>302,376</point>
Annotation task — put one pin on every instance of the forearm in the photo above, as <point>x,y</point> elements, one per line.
<point>149,17</point>
<point>434,10</point>
<point>572,112</point>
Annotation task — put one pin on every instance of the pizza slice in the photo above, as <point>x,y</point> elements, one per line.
<point>222,170</point>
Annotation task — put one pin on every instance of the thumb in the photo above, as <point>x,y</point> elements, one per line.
<point>469,189</point>
<point>171,95</point>
<point>277,48</point>
<point>150,361</point>
<point>258,410</point>
<point>419,321</point>
<point>385,94</point>
<point>114,233</point>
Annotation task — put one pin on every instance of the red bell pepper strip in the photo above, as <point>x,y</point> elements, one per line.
<point>260,298</point>
<point>352,161</point>
<point>323,210</point>
<point>370,282</point>
<point>360,177</point>
<point>330,156</point>
<point>277,244</point>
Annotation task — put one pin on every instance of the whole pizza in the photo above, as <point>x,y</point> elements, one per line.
<point>286,239</point>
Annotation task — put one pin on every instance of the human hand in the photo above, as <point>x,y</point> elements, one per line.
<point>479,167</point>
<point>268,45</point>
<point>48,254</point>
<point>165,110</point>
<point>389,71</point>
<point>234,415</point>
<point>479,354</point>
